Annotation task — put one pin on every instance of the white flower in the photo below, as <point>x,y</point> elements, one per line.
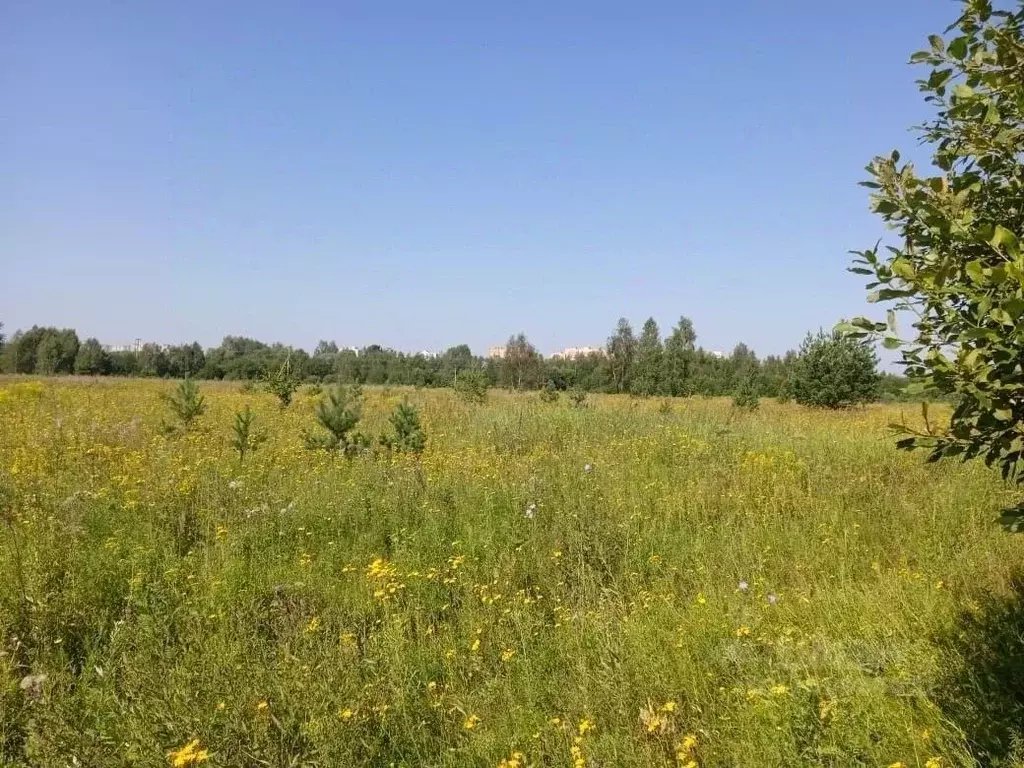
<point>531,511</point>
<point>744,586</point>
<point>588,467</point>
<point>773,598</point>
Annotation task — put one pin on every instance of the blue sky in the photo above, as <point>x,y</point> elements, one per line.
<point>425,174</point>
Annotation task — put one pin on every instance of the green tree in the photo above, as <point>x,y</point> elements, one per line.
<point>621,350</point>
<point>958,266</point>
<point>472,386</point>
<point>678,359</point>
<point>152,361</point>
<point>186,360</point>
<point>748,393</point>
<point>92,359</point>
<point>520,367</point>
<point>281,383</point>
<point>186,404</point>
<point>834,371</point>
<point>647,372</point>
<point>55,350</point>
<point>408,435</point>
<point>338,414</point>
<point>245,437</point>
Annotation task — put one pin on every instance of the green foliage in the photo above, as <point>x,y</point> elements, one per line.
<point>472,386</point>
<point>959,265</point>
<point>281,383</point>
<point>678,359</point>
<point>186,403</point>
<point>578,398</point>
<point>648,369</point>
<point>152,361</point>
<point>245,438</point>
<point>834,371</point>
<point>521,364</point>
<point>92,359</point>
<point>621,351</point>
<point>549,394</point>
<point>45,351</point>
<point>408,433</point>
<point>747,397</point>
<point>338,414</point>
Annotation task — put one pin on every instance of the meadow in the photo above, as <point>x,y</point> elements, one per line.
<point>662,582</point>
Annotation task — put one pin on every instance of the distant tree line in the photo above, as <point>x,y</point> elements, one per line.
<point>645,365</point>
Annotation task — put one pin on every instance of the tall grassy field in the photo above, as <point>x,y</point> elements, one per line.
<point>635,583</point>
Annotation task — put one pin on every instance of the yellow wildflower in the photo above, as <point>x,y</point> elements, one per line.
<point>347,714</point>
<point>585,727</point>
<point>515,760</point>
<point>471,722</point>
<point>507,654</point>
<point>190,754</point>
<point>742,631</point>
<point>933,762</point>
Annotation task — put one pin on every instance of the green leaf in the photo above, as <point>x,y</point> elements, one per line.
<point>962,91</point>
<point>901,267</point>
<point>1001,316</point>
<point>976,271</point>
<point>958,48</point>
<point>891,342</point>
<point>937,43</point>
<point>1004,238</point>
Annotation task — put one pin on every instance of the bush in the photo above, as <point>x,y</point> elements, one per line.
<point>186,404</point>
<point>472,386</point>
<point>578,398</point>
<point>245,439</point>
<point>549,394</point>
<point>281,383</point>
<point>834,371</point>
<point>338,414</point>
<point>747,397</point>
<point>409,435</point>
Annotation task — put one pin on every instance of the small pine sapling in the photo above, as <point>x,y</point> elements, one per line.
<point>246,438</point>
<point>409,435</point>
<point>281,383</point>
<point>338,413</point>
<point>186,405</point>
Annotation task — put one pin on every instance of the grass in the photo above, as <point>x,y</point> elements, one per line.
<point>692,587</point>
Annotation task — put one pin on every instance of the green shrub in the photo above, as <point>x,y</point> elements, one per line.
<point>186,404</point>
<point>472,386</point>
<point>281,383</point>
<point>834,371</point>
<point>245,438</point>
<point>338,414</point>
<point>409,435</point>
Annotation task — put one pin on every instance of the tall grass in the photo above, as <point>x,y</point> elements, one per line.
<point>627,584</point>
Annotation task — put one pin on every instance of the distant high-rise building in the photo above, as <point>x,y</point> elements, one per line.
<point>571,353</point>
<point>496,352</point>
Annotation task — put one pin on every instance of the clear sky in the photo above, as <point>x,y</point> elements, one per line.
<point>426,174</point>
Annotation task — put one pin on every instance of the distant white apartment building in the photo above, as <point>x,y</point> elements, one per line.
<point>496,352</point>
<point>571,353</point>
